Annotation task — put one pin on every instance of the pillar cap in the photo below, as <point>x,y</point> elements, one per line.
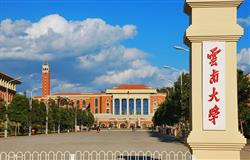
<point>213,3</point>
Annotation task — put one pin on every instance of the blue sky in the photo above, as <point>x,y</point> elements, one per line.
<point>134,40</point>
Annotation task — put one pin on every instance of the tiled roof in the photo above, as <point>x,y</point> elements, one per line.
<point>132,86</point>
<point>75,94</point>
<point>70,93</point>
<point>8,78</point>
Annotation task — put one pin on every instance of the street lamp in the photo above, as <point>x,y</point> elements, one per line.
<point>31,95</point>
<point>164,79</point>
<point>181,48</point>
<point>177,70</point>
<point>7,103</point>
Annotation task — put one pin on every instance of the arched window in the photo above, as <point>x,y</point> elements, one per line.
<point>117,106</point>
<point>124,106</point>
<point>138,106</point>
<point>145,106</point>
<point>131,106</point>
<point>107,103</point>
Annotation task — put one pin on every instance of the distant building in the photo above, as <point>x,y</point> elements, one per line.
<point>123,106</point>
<point>7,87</point>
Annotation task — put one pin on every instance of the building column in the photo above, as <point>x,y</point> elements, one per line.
<point>120,103</point>
<point>134,106</point>
<point>212,37</point>
<point>113,106</point>
<point>149,106</point>
<point>127,106</point>
<point>142,106</point>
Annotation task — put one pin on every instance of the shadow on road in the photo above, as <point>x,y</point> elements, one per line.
<point>164,138</point>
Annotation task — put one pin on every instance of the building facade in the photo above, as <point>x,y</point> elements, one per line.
<point>7,87</point>
<point>123,106</point>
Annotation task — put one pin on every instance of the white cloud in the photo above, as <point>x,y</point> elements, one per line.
<point>58,86</point>
<point>244,21</point>
<point>54,37</point>
<point>95,44</point>
<point>138,71</point>
<point>244,59</point>
<point>115,56</point>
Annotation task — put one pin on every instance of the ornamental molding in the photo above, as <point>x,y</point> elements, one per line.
<point>225,38</point>
<point>213,3</point>
<point>217,146</point>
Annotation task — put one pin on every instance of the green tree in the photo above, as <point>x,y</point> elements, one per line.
<point>88,119</point>
<point>38,114</point>
<point>67,118</point>
<point>53,115</point>
<point>2,111</point>
<point>243,101</point>
<point>18,111</point>
<point>176,106</point>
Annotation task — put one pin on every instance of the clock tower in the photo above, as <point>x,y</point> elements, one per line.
<point>45,79</point>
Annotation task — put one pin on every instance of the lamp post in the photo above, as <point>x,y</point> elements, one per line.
<point>164,79</point>
<point>31,95</point>
<point>7,103</point>
<point>47,119</point>
<point>177,70</point>
<point>181,48</point>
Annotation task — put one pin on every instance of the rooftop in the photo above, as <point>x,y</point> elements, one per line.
<point>9,78</point>
<point>132,86</point>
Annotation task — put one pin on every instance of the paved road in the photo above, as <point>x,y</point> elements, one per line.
<point>106,140</point>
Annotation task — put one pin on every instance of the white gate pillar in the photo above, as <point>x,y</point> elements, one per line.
<point>212,36</point>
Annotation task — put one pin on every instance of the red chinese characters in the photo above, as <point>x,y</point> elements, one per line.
<point>213,114</point>
<point>213,56</point>
<point>213,95</point>
<point>214,78</point>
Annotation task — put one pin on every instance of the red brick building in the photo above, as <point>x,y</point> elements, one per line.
<point>122,106</point>
<point>7,87</point>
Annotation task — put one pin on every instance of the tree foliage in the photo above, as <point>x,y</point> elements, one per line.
<point>38,114</point>
<point>243,101</point>
<point>2,110</point>
<point>18,110</point>
<point>176,106</point>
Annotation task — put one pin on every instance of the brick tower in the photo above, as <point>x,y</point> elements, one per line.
<point>45,79</point>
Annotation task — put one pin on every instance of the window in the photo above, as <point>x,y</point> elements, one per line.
<point>96,102</point>
<point>107,103</point>
<point>138,106</point>
<point>117,106</point>
<point>145,106</point>
<point>107,110</point>
<point>131,106</point>
<point>124,106</point>
<point>96,105</point>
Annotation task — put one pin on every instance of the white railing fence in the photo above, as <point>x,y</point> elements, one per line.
<point>96,155</point>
